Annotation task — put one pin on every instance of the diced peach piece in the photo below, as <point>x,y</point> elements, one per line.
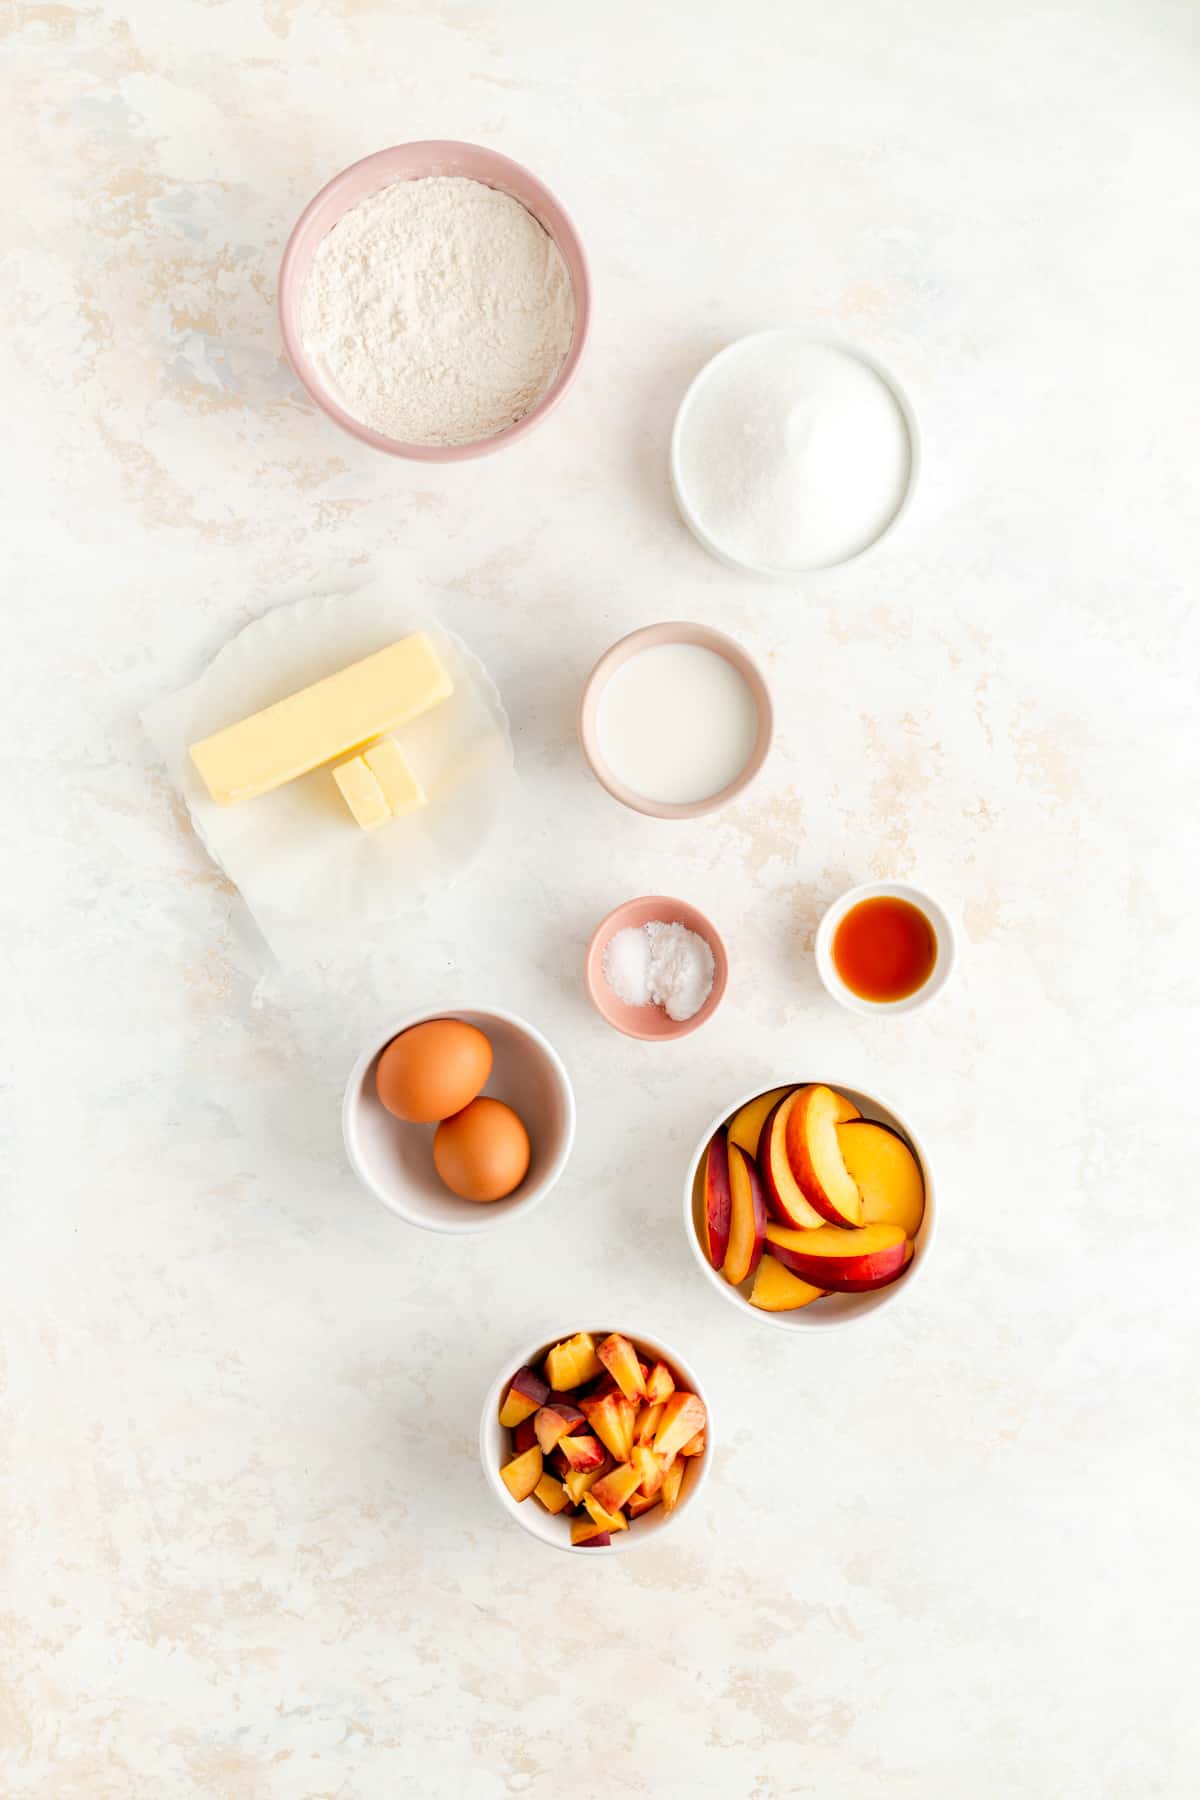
<point>612,1420</point>
<point>522,1474</point>
<point>549,1425</point>
<point>552,1494</point>
<point>571,1413</point>
<point>572,1363</point>
<point>558,1462</point>
<point>525,1435</point>
<point>579,1482</point>
<point>660,1383</point>
<point>776,1289</point>
<point>672,1482</point>
<point>526,1392</point>
<point>639,1503</point>
<point>516,1407</point>
<point>621,1360</point>
<point>650,1470</point>
<point>606,1520</point>
<point>585,1531</point>
<point>581,1452</point>
<point>683,1416</point>
<point>646,1423</point>
<point>613,1490</point>
<point>694,1446</point>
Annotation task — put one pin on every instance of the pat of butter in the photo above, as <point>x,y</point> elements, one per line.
<point>362,794</point>
<point>323,721</point>
<point>387,763</point>
<point>379,785</point>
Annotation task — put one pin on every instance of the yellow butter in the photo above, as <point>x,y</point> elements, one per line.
<point>387,763</point>
<point>362,793</point>
<point>379,785</point>
<point>323,721</point>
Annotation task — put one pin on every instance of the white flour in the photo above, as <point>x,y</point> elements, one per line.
<point>438,311</point>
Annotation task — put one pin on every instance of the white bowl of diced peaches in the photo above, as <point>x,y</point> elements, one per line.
<point>596,1440</point>
<point>810,1205</point>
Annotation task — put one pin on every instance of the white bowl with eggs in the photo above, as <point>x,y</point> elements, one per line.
<point>393,1158</point>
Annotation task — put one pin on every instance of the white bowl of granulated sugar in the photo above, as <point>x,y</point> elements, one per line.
<point>793,453</point>
<point>434,300</point>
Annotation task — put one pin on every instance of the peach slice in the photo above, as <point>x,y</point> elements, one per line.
<point>745,1127</point>
<point>776,1289</point>
<point>639,1503</point>
<point>572,1363</point>
<point>613,1490</point>
<point>748,1218</point>
<point>660,1383</point>
<point>612,1420</point>
<point>816,1158</point>
<point>621,1360</point>
<point>571,1413</point>
<point>846,1261</point>
<point>586,1531</point>
<point>606,1520</point>
<point>784,1197</point>
<point>526,1392</point>
<point>549,1425</point>
<point>522,1474</point>
<point>647,1423</point>
<point>552,1494</point>
<point>672,1482</point>
<point>694,1446</point>
<point>887,1173</point>
<point>581,1481</point>
<point>581,1452</point>
<point>715,1201</point>
<point>683,1416</point>
<point>650,1470</point>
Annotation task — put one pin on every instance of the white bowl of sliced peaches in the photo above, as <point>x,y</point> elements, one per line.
<point>596,1440</point>
<point>810,1205</point>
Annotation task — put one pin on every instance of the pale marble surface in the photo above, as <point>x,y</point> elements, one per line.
<point>248,1551</point>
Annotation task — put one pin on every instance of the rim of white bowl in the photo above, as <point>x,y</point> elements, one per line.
<point>828,341</point>
<point>539,1524</point>
<point>809,1318</point>
<point>489,1217</point>
<point>943,930</point>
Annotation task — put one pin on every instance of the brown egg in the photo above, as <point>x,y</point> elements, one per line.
<point>433,1070</point>
<point>482,1153</point>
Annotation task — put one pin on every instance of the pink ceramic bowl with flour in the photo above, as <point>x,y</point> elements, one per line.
<point>412,162</point>
<point>652,1023</point>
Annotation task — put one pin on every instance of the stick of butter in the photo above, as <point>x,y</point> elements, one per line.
<point>379,785</point>
<point>323,721</point>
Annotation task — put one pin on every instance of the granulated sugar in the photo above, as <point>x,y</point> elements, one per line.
<point>437,311</point>
<point>793,454</point>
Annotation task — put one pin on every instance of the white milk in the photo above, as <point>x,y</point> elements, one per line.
<point>676,723</point>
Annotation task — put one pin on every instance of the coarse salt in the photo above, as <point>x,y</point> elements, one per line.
<point>660,964</point>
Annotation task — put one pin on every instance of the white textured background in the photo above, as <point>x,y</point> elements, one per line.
<point>247,1549</point>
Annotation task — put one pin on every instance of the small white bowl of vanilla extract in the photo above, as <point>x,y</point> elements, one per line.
<point>885,947</point>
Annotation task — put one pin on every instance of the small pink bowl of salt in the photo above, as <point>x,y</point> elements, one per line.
<point>680,967</point>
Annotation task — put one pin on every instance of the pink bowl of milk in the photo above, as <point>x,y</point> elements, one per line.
<point>675,720</point>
